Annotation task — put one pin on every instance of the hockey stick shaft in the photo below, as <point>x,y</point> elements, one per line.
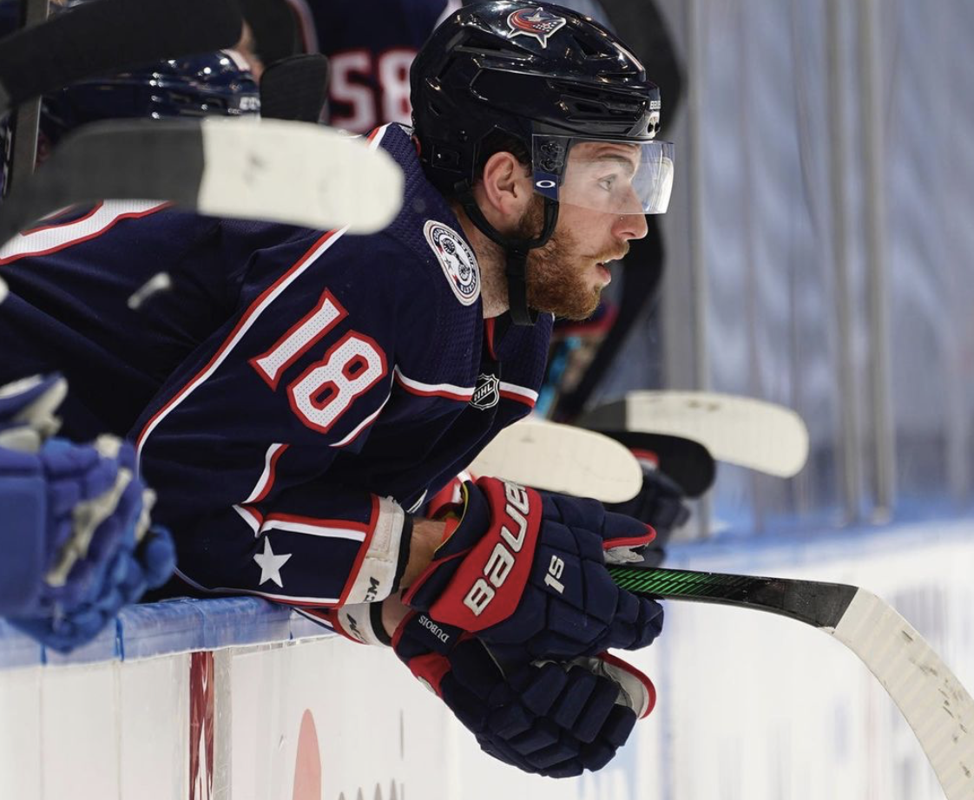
<point>935,704</point>
<point>109,36</point>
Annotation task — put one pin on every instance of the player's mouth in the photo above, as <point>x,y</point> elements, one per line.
<point>603,272</point>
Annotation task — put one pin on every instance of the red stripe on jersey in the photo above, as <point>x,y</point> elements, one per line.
<point>520,398</point>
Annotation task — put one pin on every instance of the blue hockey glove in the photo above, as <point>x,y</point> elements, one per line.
<point>551,718</point>
<point>525,571</point>
<point>659,503</point>
<point>79,537</point>
<point>77,543</point>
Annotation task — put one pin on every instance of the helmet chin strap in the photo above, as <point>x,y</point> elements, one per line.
<point>516,251</point>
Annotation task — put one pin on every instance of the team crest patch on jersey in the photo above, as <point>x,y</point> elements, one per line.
<point>487,393</point>
<point>536,22</point>
<point>457,260</point>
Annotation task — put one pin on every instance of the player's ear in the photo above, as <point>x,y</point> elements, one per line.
<point>507,189</point>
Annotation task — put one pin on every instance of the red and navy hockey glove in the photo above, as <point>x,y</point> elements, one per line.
<point>547,717</point>
<point>525,571</point>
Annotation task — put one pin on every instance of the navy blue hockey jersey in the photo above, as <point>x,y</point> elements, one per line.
<point>370,47</point>
<point>291,391</point>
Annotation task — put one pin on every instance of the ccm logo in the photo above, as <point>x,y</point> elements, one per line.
<point>501,560</point>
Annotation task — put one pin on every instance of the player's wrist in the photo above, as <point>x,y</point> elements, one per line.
<point>426,536</point>
<point>394,611</point>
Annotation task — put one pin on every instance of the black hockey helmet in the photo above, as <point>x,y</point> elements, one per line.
<point>548,77</point>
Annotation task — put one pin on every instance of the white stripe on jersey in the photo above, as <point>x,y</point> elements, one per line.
<point>325,531</point>
<point>247,515</point>
<point>440,389</point>
<point>44,239</point>
<point>520,391</point>
<point>265,475</point>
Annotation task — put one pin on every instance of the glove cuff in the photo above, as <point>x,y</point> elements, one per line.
<point>360,622</point>
<point>636,690</point>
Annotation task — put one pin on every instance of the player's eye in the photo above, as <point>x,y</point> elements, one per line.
<point>608,182</point>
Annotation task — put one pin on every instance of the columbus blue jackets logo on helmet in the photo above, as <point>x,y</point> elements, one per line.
<point>487,393</point>
<point>535,22</point>
<point>457,260</point>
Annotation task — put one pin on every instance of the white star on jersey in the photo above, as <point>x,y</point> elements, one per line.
<point>270,564</point>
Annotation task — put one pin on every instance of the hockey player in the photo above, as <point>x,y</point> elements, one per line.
<point>296,395</point>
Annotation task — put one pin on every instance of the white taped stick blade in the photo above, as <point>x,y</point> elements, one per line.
<point>297,173</point>
<point>561,458</point>
<point>738,430</point>
<point>935,704</point>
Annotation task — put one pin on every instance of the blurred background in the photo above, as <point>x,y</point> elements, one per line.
<point>818,250</point>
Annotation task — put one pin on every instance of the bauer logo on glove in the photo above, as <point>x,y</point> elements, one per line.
<point>501,560</point>
<point>525,571</point>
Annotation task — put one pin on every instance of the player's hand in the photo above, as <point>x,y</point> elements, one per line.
<point>525,571</point>
<point>547,717</point>
<point>659,504</point>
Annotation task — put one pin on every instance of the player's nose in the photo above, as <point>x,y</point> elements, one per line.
<point>630,226</point>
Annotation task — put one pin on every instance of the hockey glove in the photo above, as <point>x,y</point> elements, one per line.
<point>525,571</point>
<point>75,523</point>
<point>551,718</point>
<point>659,504</point>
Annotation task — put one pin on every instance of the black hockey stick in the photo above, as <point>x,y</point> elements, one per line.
<point>109,36</point>
<point>273,170</point>
<point>687,462</point>
<point>935,704</point>
<point>295,88</point>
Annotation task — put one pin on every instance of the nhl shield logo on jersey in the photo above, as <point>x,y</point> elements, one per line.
<point>535,22</point>
<point>487,392</point>
<point>457,260</point>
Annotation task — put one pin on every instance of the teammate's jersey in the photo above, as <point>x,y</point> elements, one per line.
<point>290,391</point>
<point>370,46</point>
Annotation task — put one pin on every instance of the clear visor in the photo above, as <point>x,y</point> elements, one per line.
<point>613,177</point>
